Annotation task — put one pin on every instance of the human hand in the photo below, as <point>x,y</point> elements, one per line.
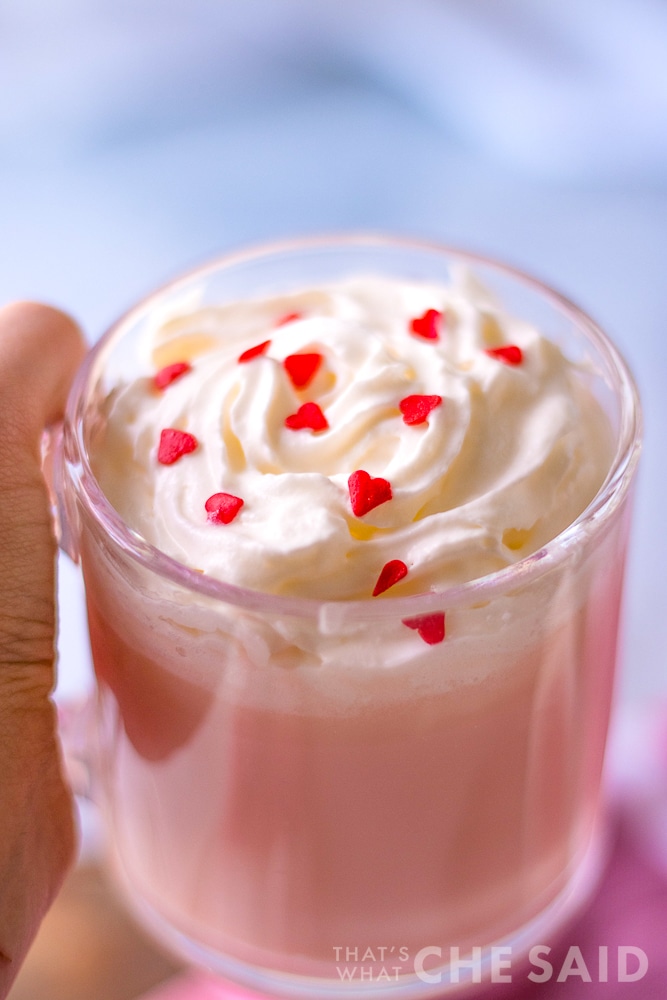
<point>40,350</point>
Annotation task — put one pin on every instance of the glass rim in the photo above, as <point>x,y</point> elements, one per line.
<point>591,520</point>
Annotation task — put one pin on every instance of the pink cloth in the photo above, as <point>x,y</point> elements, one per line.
<point>199,987</point>
<point>629,911</point>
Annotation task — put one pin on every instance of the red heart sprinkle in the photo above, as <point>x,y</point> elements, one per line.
<point>254,352</point>
<point>415,409</point>
<point>510,354</point>
<point>288,318</point>
<point>428,325</point>
<point>430,627</point>
<point>392,572</point>
<point>367,492</point>
<point>223,507</point>
<point>307,416</point>
<point>301,368</point>
<point>174,444</point>
<point>170,373</point>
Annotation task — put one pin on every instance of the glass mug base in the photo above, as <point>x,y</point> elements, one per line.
<point>378,977</point>
<point>283,772</point>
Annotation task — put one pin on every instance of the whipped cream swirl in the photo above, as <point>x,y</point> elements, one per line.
<point>512,454</point>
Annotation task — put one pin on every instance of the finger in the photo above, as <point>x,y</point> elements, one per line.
<point>40,349</point>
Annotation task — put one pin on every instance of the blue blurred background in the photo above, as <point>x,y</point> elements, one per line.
<point>138,137</point>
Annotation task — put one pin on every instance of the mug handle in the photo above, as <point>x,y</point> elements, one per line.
<point>63,509</point>
<point>75,712</point>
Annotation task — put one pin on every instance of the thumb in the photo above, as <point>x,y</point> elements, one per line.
<point>40,349</point>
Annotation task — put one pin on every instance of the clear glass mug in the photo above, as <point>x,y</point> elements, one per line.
<point>310,823</point>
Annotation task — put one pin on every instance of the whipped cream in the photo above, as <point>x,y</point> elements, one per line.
<point>511,450</point>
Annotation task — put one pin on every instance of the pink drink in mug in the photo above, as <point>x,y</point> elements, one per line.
<point>323,797</point>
